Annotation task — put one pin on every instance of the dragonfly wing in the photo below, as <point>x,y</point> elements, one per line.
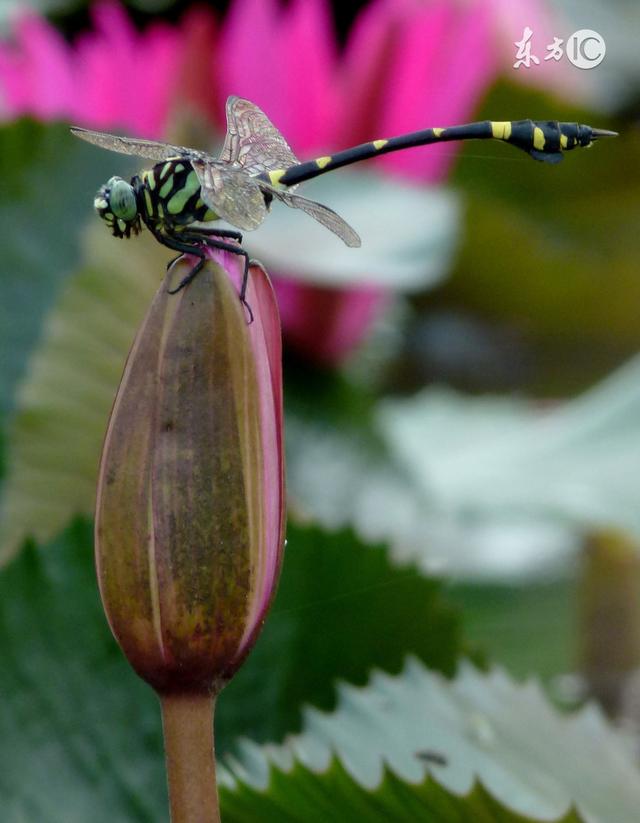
<point>150,149</point>
<point>231,193</point>
<point>324,215</point>
<point>252,141</point>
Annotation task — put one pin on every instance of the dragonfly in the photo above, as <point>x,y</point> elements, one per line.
<point>187,189</point>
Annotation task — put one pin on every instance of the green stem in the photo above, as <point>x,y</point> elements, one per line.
<point>187,722</point>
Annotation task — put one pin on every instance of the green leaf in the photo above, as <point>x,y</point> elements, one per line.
<point>301,795</point>
<point>371,759</point>
<point>497,618</point>
<point>80,734</point>
<point>54,442</point>
<point>48,183</point>
<point>2,453</point>
<point>75,719</point>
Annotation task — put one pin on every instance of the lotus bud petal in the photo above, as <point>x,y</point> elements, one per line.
<point>190,512</point>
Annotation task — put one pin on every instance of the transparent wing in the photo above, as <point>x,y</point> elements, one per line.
<point>252,141</point>
<point>323,214</point>
<point>231,193</point>
<point>150,149</point>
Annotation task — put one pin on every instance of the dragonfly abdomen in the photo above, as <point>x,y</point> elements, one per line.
<point>542,139</point>
<point>170,193</point>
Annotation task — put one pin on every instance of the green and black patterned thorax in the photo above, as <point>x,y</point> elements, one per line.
<point>187,188</point>
<point>170,192</point>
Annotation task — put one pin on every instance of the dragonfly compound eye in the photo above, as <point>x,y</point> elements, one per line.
<point>116,205</point>
<point>122,199</point>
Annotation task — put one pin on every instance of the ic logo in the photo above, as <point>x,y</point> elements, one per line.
<point>586,49</point>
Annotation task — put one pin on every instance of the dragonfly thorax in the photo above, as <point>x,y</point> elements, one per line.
<point>116,204</point>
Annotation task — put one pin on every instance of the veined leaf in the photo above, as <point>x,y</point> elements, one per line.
<point>494,750</point>
<point>301,795</point>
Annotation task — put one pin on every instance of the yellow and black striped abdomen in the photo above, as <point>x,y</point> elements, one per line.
<point>171,194</point>
<point>542,139</point>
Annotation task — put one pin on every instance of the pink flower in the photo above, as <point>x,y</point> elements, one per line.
<point>112,76</point>
<point>406,65</point>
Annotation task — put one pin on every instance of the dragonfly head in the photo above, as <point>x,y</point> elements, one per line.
<point>117,205</point>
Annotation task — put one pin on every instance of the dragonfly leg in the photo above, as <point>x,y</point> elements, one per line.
<point>219,244</point>
<point>189,277</point>
<point>214,243</point>
<point>184,248</point>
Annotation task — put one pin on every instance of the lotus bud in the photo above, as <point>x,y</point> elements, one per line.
<point>190,511</point>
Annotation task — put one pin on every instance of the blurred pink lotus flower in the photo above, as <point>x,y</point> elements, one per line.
<point>406,65</point>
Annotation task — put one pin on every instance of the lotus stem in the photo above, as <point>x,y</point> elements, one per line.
<point>187,722</point>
